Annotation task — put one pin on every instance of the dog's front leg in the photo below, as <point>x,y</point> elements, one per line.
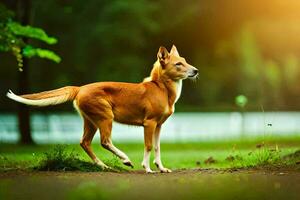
<point>149,129</point>
<point>157,159</point>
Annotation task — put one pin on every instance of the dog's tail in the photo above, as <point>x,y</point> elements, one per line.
<point>47,98</point>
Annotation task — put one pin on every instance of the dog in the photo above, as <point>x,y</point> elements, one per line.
<point>147,104</point>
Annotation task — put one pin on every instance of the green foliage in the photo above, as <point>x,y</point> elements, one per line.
<point>61,159</point>
<point>111,38</point>
<point>118,35</point>
<point>227,154</point>
<point>12,34</point>
<point>30,32</point>
<point>29,51</point>
<point>5,163</point>
<point>263,157</point>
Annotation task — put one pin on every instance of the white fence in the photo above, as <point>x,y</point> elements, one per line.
<point>67,128</point>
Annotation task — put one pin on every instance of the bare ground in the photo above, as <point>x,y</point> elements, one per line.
<point>181,184</point>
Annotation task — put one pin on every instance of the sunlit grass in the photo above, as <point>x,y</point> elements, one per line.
<point>60,158</point>
<point>227,154</point>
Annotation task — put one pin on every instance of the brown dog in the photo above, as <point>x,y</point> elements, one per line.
<point>146,104</point>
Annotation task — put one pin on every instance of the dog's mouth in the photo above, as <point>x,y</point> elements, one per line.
<point>193,75</point>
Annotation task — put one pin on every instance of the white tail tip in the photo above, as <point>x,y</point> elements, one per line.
<point>11,95</point>
<point>37,102</point>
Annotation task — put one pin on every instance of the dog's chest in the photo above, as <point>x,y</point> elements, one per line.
<point>174,93</point>
<point>178,90</point>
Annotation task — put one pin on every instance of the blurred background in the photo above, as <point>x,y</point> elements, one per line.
<point>249,48</point>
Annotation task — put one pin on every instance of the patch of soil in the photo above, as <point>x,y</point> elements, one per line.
<point>180,184</point>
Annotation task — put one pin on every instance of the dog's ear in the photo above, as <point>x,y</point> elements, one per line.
<point>163,55</point>
<point>174,51</point>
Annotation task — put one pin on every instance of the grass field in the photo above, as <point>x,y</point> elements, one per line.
<point>259,168</point>
<point>225,154</point>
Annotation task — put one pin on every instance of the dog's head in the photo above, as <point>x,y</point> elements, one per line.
<point>174,66</point>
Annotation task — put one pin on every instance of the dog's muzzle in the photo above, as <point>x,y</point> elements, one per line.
<point>194,73</point>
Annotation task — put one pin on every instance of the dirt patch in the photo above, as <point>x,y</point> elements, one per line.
<point>258,170</point>
<point>181,184</point>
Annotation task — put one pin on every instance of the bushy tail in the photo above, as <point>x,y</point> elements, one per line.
<point>47,98</point>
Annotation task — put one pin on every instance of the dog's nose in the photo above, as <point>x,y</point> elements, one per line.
<point>195,71</point>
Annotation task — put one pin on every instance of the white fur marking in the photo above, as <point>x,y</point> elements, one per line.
<point>178,89</point>
<point>147,79</point>
<point>77,108</point>
<point>40,102</point>
<point>146,161</point>
<point>157,159</point>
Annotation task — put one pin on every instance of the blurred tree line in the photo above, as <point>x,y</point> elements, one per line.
<point>14,38</point>
<point>245,47</point>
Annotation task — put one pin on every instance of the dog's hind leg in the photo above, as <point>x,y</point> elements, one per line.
<point>85,143</point>
<point>105,126</point>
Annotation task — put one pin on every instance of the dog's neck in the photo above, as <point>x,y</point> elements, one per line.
<point>173,87</point>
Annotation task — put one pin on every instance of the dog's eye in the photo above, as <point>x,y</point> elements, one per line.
<point>178,64</point>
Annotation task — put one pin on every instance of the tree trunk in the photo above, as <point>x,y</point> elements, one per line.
<point>23,13</point>
<point>23,110</point>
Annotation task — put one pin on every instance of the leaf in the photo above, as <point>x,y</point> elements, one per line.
<point>29,51</point>
<point>31,32</point>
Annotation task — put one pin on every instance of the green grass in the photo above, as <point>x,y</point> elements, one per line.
<point>219,154</point>
<point>60,158</point>
<point>267,153</point>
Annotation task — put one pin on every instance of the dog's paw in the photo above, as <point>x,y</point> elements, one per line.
<point>100,164</point>
<point>104,167</point>
<point>149,171</point>
<point>165,170</point>
<point>161,168</point>
<point>128,163</point>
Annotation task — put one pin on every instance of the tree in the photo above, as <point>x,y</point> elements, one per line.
<point>14,38</point>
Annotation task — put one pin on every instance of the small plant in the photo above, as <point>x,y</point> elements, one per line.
<point>61,159</point>
<point>3,162</point>
<point>263,158</point>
